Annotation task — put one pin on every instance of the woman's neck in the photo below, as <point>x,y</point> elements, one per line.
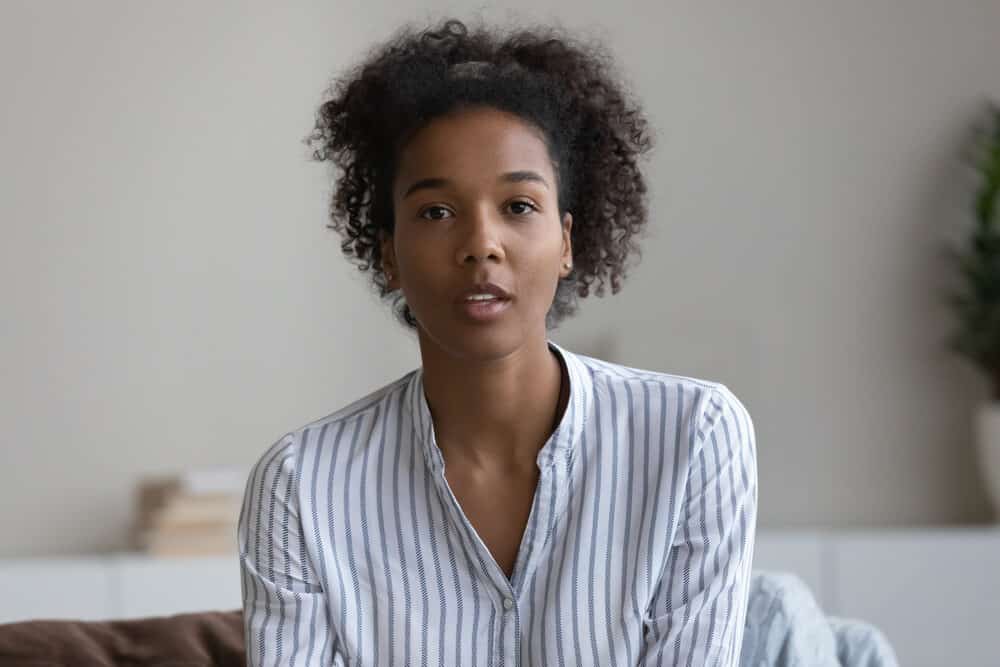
<point>493,415</point>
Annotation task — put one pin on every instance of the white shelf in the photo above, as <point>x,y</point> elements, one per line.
<point>56,587</point>
<point>122,585</point>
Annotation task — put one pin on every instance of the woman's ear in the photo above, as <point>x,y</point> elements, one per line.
<point>389,260</point>
<point>566,261</point>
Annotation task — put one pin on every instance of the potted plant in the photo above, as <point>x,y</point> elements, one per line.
<point>977,305</point>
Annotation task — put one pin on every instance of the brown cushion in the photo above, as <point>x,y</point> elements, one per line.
<point>184,640</point>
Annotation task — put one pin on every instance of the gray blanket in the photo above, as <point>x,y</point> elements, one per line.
<point>785,627</point>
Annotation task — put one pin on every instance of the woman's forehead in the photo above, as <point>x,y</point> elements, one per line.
<point>480,145</point>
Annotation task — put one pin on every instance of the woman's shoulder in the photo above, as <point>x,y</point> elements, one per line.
<point>707,410</point>
<point>617,373</point>
<point>366,405</point>
<point>706,400</point>
<point>296,440</point>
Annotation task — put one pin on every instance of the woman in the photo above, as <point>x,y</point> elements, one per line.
<point>509,502</point>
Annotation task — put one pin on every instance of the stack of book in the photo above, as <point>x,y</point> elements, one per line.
<point>193,513</point>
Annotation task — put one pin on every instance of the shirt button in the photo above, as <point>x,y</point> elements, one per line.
<point>508,603</point>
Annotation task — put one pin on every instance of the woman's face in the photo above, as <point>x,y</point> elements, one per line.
<point>475,201</point>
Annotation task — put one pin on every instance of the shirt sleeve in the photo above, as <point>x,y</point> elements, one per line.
<point>285,616</point>
<point>699,607</point>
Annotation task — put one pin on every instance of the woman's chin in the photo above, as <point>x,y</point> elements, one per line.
<point>474,343</point>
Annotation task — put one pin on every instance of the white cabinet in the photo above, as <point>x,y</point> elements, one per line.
<point>804,553</point>
<point>116,586</point>
<point>56,588</point>
<point>161,586</point>
<point>935,593</point>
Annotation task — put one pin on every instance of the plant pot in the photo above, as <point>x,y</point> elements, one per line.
<point>987,435</point>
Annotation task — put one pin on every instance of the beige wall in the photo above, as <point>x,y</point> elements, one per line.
<point>171,296</point>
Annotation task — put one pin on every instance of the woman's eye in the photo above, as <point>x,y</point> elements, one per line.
<point>519,208</point>
<point>528,207</point>
<point>423,214</point>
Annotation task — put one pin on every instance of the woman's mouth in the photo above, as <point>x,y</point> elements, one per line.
<point>483,309</point>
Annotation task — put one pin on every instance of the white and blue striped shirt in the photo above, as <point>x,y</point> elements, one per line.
<point>637,550</point>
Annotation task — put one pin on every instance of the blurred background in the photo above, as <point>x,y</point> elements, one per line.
<point>173,302</point>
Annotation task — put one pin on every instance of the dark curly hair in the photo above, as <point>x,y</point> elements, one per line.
<point>567,88</point>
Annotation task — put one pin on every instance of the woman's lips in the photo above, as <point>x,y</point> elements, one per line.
<point>484,311</point>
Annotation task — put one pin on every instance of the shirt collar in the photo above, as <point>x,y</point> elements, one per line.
<point>560,445</point>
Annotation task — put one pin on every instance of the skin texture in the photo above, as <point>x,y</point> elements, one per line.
<point>495,390</point>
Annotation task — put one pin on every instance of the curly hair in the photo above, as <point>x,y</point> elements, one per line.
<point>593,130</point>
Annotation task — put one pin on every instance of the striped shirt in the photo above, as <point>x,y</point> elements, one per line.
<point>637,550</point>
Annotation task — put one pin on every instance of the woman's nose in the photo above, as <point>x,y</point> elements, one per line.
<point>480,237</point>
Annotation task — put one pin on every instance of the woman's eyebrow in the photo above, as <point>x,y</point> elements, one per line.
<point>509,177</point>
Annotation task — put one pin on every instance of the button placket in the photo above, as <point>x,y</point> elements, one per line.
<point>507,635</point>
